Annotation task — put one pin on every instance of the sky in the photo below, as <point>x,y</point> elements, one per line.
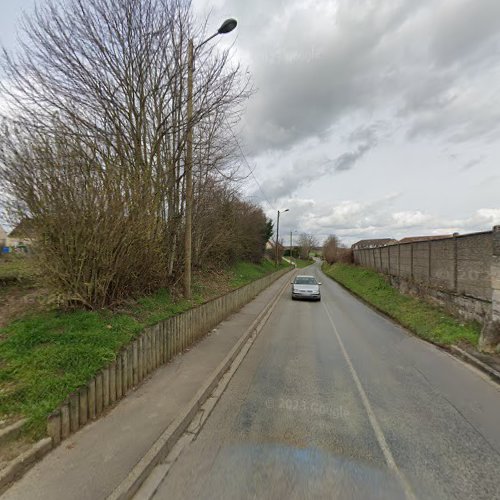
<point>370,118</point>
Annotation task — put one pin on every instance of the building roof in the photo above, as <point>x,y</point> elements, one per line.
<point>410,239</point>
<point>377,242</point>
<point>23,230</point>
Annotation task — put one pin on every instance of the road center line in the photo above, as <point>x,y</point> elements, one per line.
<point>391,463</point>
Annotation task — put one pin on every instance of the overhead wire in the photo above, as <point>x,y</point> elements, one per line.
<point>250,169</point>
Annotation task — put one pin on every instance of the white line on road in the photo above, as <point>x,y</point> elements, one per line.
<point>371,416</point>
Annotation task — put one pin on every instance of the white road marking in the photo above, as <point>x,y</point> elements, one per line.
<point>391,463</point>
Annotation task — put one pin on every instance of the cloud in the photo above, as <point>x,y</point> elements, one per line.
<point>315,63</point>
<point>463,28</point>
<point>312,163</point>
<point>354,220</point>
<point>367,136</point>
<point>472,163</point>
<point>346,161</point>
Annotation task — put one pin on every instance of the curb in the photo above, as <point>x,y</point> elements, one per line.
<point>12,431</point>
<point>164,444</point>
<point>454,350</point>
<point>477,363</point>
<point>22,463</point>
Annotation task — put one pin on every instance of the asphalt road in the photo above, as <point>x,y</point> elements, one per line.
<point>335,401</point>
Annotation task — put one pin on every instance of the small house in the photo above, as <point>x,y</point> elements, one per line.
<point>22,235</point>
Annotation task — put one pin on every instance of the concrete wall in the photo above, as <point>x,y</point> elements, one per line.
<point>453,272</point>
<point>384,257</point>
<point>405,263</point>
<point>155,346</point>
<point>394,259</point>
<point>443,264</point>
<point>490,335</point>
<point>421,262</point>
<point>474,254</point>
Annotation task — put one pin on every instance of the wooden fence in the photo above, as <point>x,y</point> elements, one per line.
<point>154,347</point>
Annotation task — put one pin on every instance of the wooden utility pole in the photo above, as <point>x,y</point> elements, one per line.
<point>188,172</point>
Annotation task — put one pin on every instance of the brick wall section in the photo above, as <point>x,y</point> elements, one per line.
<point>384,257</point>
<point>489,340</point>
<point>453,272</point>
<point>406,261</point>
<point>474,254</point>
<point>495,274</point>
<point>394,259</point>
<point>421,262</point>
<point>443,264</point>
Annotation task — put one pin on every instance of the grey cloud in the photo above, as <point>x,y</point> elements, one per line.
<point>353,220</point>
<point>347,161</point>
<point>470,116</point>
<point>464,27</point>
<point>302,173</point>
<point>317,63</point>
<point>313,167</point>
<point>338,72</point>
<point>472,163</point>
<point>366,133</point>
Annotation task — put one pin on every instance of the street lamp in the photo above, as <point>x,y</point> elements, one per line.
<point>277,234</point>
<point>226,27</point>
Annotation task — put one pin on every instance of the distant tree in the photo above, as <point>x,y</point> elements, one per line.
<point>330,249</point>
<point>269,231</point>
<point>306,243</point>
<point>335,251</point>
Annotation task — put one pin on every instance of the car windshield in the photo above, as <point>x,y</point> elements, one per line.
<point>305,280</point>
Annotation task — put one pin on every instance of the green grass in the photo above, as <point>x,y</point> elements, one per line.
<point>17,269</point>
<point>46,356</point>
<point>427,321</point>
<point>245,272</point>
<point>301,263</point>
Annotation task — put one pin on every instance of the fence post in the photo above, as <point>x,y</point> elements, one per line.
<point>84,406</point>
<point>54,427</point>
<point>411,261</point>
<point>489,341</point>
<point>455,262</point>
<point>430,262</point>
<point>399,259</point>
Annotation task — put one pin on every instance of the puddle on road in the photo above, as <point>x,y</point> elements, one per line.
<point>280,471</point>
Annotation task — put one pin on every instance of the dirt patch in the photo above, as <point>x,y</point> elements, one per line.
<point>20,290</point>
<point>17,301</point>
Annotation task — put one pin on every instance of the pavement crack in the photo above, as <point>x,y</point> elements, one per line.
<point>434,389</point>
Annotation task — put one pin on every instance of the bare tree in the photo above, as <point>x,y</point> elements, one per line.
<point>306,243</point>
<point>335,251</point>
<point>93,149</point>
<point>330,249</point>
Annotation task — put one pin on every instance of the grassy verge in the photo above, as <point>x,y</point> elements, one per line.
<point>301,263</point>
<point>427,321</point>
<point>17,269</point>
<point>47,355</point>
<point>245,272</point>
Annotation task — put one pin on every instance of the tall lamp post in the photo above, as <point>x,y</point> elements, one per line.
<point>226,27</point>
<point>278,234</point>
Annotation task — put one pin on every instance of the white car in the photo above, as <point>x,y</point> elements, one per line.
<point>306,287</point>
